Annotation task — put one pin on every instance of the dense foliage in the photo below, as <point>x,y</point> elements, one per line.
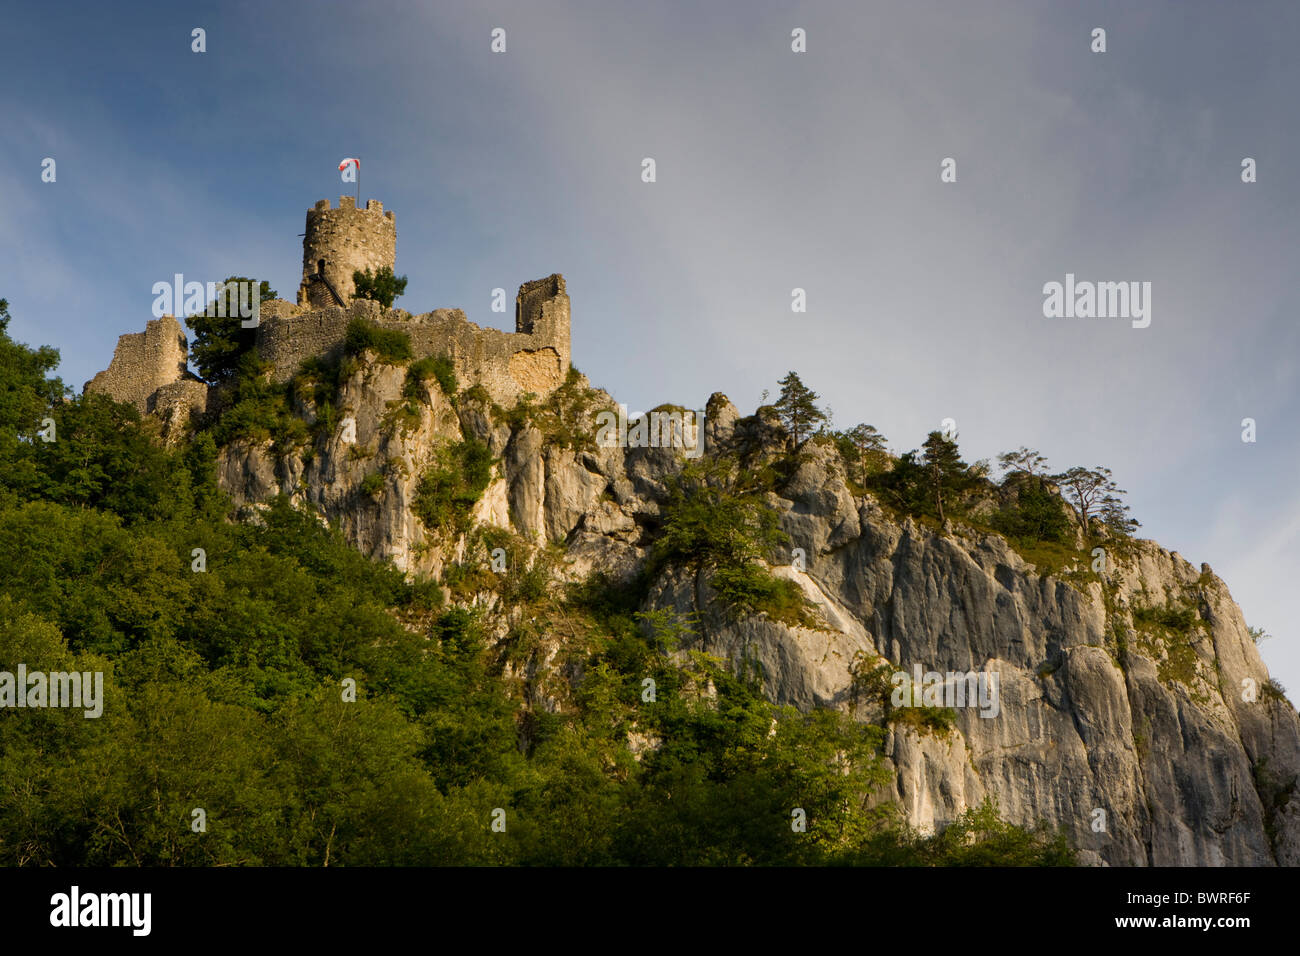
<point>452,485</point>
<point>381,286</point>
<point>391,345</point>
<point>716,521</point>
<point>439,368</point>
<point>221,341</point>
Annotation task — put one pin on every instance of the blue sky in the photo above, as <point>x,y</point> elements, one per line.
<point>775,171</point>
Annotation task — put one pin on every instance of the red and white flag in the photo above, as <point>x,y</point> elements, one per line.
<point>344,165</point>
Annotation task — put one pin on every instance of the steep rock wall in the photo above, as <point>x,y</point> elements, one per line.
<point>1145,752</point>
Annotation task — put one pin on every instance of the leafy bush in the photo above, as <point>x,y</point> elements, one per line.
<point>258,409</point>
<point>392,345</point>
<point>450,487</point>
<point>372,484</point>
<point>1165,633</point>
<point>1168,616</point>
<point>936,720</point>
<point>1272,689</point>
<point>475,572</point>
<point>478,393</point>
<point>567,418</point>
<point>716,519</point>
<point>751,589</point>
<point>382,287</point>
<point>871,681</point>
<point>1033,513</point>
<point>438,367</point>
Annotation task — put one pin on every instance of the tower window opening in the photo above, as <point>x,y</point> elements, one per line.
<point>320,267</point>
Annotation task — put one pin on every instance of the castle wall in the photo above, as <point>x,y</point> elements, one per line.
<point>348,239</point>
<point>143,362</point>
<point>542,310</point>
<point>507,364</point>
<point>287,341</point>
<point>174,403</point>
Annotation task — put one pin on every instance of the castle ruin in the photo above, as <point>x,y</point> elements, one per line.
<point>149,369</point>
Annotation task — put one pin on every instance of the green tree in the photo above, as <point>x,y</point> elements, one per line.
<point>1034,512</point>
<point>946,474</point>
<point>866,439</point>
<point>1093,494</point>
<point>716,520</point>
<point>382,287</point>
<point>450,487</point>
<point>1023,461</point>
<point>1115,514</point>
<point>863,450</point>
<point>27,397</point>
<point>103,458</point>
<point>797,407</point>
<point>221,341</point>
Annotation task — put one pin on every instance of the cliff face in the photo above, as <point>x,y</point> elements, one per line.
<point>1148,742</point>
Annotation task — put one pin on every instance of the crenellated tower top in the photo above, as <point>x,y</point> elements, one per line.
<point>338,242</point>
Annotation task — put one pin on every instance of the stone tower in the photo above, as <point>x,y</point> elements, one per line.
<point>542,309</point>
<point>340,241</point>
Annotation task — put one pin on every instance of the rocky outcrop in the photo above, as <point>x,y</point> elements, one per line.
<point>1144,754</point>
<point>1147,744</point>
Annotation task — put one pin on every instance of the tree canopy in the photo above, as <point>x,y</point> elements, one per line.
<point>1094,495</point>
<point>382,287</point>
<point>220,341</point>
<point>797,408</point>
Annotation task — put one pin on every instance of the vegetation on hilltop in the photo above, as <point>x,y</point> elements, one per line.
<point>1030,506</point>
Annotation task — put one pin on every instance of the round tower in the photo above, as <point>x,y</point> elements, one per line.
<point>338,242</point>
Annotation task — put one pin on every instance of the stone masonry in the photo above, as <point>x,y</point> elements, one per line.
<point>339,242</point>
<point>149,368</point>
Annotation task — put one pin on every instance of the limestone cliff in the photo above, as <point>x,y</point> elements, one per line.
<point>1146,750</point>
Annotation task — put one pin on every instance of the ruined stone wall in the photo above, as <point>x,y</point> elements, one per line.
<point>144,362</point>
<point>176,403</point>
<point>149,371</point>
<point>542,310</point>
<point>534,359</point>
<point>287,341</point>
<point>348,239</point>
<point>507,364</point>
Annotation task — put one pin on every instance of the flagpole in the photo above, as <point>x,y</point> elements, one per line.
<point>358,182</point>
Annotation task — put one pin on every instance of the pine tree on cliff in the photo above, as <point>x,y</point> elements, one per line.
<point>797,407</point>
<point>947,474</point>
<point>1094,494</point>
